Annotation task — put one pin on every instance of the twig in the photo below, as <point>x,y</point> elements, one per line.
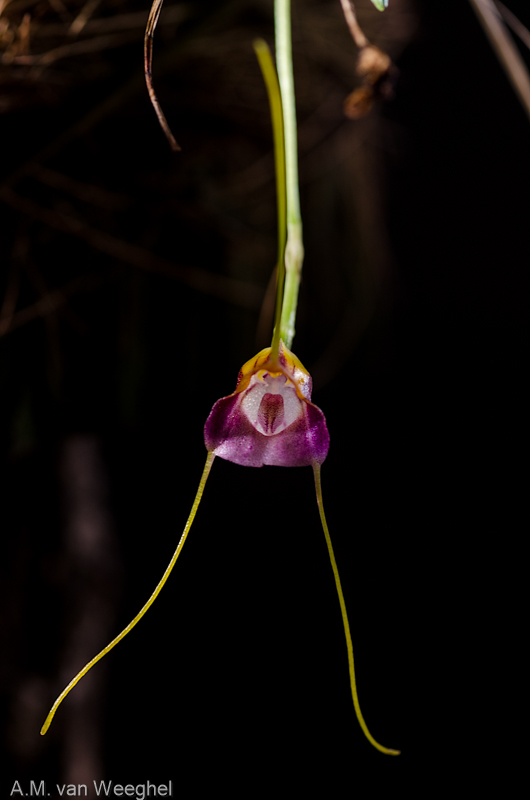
<point>82,18</point>
<point>3,5</point>
<point>351,20</point>
<point>505,49</point>
<point>24,33</point>
<point>373,65</point>
<point>73,49</point>
<point>171,15</point>
<point>517,27</point>
<point>148,61</point>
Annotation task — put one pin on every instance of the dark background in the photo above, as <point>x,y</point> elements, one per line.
<point>132,281</point>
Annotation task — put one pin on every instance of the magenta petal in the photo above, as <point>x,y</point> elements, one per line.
<point>303,443</point>
<point>230,435</point>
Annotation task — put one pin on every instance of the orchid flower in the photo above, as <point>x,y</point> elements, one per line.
<point>269,418</point>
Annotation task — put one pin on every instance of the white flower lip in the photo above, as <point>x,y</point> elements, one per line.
<point>270,403</point>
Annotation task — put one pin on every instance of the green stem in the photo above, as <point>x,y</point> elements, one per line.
<point>294,251</point>
<point>275,102</point>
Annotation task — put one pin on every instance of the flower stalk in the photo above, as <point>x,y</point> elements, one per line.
<point>294,251</point>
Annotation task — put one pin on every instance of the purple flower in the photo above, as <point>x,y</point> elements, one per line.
<point>270,418</point>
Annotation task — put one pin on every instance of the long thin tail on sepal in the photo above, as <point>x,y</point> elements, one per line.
<point>346,625</point>
<point>146,607</point>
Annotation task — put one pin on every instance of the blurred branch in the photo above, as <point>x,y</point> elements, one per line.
<point>95,195</point>
<point>94,45</point>
<point>516,26</point>
<point>48,303</point>
<point>115,31</point>
<point>118,22</point>
<point>82,18</point>
<point>9,302</point>
<point>231,290</point>
<point>505,49</point>
<point>91,594</point>
<point>3,5</point>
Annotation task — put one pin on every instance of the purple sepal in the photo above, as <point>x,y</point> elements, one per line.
<point>230,434</point>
